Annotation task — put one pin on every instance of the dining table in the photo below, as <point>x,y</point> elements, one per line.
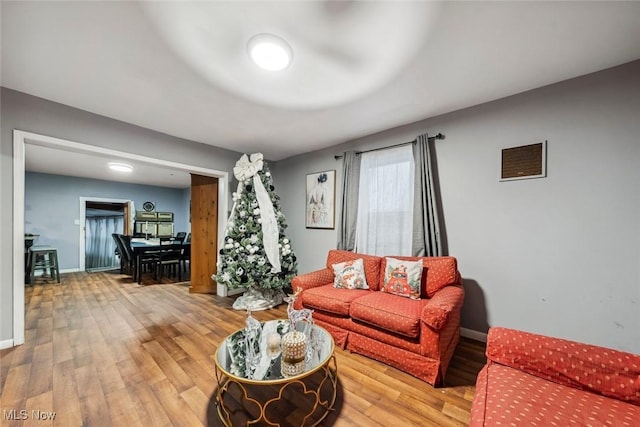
<point>141,247</point>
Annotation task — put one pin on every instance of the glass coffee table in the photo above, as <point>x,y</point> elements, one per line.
<point>253,391</point>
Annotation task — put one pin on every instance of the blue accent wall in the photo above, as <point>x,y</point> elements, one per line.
<point>52,206</point>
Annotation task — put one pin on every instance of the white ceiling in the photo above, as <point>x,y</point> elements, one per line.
<point>181,68</point>
<point>54,161</point>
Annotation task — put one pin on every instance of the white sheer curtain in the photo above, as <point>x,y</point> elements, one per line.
<point>100,246</point>
<point>385,202</point>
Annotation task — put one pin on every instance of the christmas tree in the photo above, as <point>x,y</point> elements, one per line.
<point>255,253</point>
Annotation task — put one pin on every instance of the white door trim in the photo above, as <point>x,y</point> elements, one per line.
<point>20,139</point>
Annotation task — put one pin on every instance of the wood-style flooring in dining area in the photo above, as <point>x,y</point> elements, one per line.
<point>102,351</point>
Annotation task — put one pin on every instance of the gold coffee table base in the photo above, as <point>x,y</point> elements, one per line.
<point>247,397</point>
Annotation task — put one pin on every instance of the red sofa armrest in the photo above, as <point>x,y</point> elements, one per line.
<point>600,370</point>
<point>312,279</point>
<point>438,309</point>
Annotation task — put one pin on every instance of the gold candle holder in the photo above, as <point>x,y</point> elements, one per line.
<point>294,351</point>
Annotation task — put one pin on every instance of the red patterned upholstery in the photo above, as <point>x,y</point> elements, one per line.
<point>311,280</point>
<point>426,369</point>
<point>438,309</point>
<point>333,300</point>
<point>449,337</point>
<point>438,272</point>
<point>596,369</point>
<point>371,265</point>
<point>531,379</point>
<point>359,328</point>
<point>440,343</point>
<point>507,396</point>
<point>387,311</point>
<point>401,353</point>
<point>416,336</point>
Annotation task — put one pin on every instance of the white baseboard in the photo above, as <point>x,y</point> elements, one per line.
<point>39,273</point>
<point>474,335</point>
<point>6,344</point>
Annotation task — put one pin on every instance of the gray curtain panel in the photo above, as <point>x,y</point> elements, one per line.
<point>349,212</point>
<point>100,247</point>
<point>426,223</point>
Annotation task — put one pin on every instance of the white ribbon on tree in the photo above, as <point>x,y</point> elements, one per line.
<point>244,170</point>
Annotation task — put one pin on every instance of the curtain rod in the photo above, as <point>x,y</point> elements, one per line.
<point>431,138</point>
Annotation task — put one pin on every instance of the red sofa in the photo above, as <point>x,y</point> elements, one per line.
<point>531,379</point>
<point>416,336</point>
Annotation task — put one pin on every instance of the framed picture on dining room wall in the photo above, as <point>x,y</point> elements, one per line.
<point>321,198</point>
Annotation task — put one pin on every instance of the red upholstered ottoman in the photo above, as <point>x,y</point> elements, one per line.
<point>531,379</point>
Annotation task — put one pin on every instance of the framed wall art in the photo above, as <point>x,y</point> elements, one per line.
<point>321,198</point>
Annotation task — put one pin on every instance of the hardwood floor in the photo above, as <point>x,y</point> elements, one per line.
<point>102,351</point>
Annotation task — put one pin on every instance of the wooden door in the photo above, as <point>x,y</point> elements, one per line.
<point>204,233</point>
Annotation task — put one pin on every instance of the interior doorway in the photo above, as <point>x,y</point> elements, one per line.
<point>20,140</point>
<point>103,219</point>
<point>104,207</point>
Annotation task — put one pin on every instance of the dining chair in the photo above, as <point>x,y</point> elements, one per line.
<point>185,256</point>
<point>169,256</point>
<point>186,252</point>
<point>124,244</point>
<point>146,259</point>
<point>120,252</point>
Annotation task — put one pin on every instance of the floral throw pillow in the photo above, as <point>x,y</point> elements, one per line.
<point>350,275</point>
<point>403,278</point>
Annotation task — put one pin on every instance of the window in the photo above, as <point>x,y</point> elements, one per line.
<point>385,202</point>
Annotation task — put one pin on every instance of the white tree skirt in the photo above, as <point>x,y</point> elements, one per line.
<point>259,299</point>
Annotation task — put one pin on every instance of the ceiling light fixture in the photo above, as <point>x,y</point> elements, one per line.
<point>120,167</point>
<point>270,52</point>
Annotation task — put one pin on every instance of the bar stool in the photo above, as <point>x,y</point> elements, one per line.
<point>43,258</point>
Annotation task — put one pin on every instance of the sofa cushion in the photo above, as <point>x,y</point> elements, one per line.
<point>371,264</point>
<point>402,278</point>
<point>600,370</point>
<point>330,299</point>
<point>389,312</point>
<point>350,275</point>
<point>438,272</point>
<point>508,396</point>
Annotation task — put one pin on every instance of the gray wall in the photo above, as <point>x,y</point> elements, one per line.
<point>558,255</point>
<point>52,204</point>
<point>32,114</point>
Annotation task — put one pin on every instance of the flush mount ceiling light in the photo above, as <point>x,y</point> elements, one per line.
<point>270,52</point>
<point>120,167</point>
